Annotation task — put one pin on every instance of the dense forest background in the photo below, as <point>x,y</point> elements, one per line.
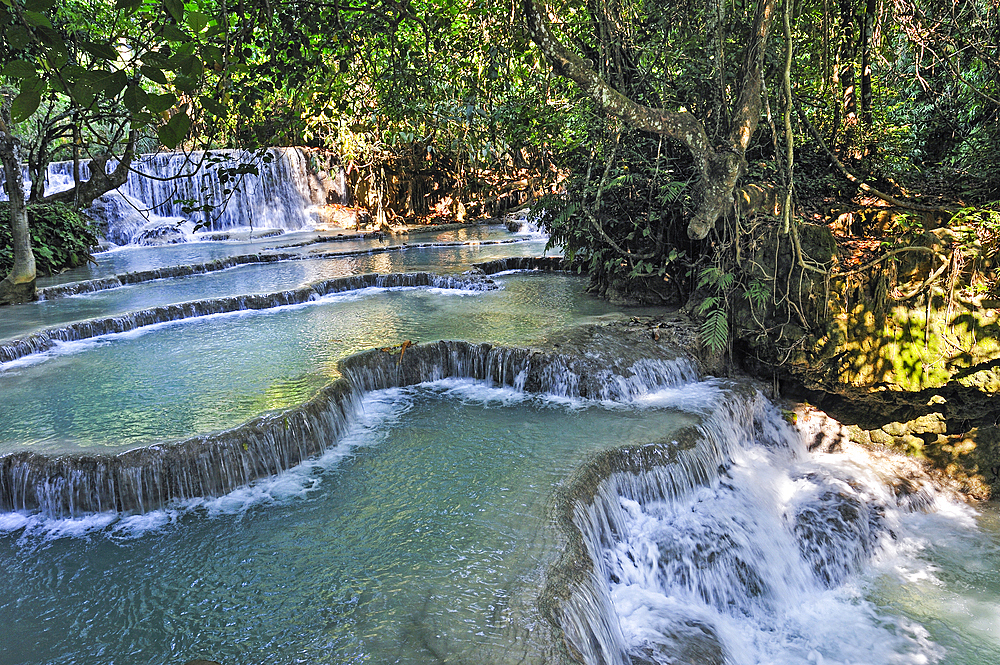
<point>648,132</point>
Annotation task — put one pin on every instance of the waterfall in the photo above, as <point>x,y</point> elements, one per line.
<point>167,193</point>
<point>145,479</point>
<point>728,545</point>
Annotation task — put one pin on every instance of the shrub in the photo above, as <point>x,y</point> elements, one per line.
<point>61,237</point>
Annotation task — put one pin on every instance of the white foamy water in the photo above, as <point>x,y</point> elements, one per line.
<point>788,557</point>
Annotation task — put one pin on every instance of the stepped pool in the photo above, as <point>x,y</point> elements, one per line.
<point>293,483</point>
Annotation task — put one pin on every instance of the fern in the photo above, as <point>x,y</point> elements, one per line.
<point>715,330</point>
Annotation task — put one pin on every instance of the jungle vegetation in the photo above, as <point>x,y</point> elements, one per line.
<point>647,132</point>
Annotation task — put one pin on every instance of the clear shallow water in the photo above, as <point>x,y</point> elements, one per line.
<point>205,374</point>
<point>248,279</point>
<point>422,535</point>
<point>133,259</point>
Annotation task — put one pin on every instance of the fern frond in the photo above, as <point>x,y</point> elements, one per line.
<point>715,330</point>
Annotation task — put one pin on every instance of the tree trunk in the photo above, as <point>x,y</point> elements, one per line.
<point>19,285</point>
<point>718,168</point>
<point>82,194</point>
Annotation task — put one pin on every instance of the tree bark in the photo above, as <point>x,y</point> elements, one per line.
<point>718,167</point>
<point>82,194</point>
<point>19,285</point>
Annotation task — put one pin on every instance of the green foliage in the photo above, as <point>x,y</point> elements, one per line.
<point>714,307</point>
<point>61,238</point>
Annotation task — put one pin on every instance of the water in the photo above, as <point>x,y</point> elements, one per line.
<point>211,373</point>
<point>415,538</point>
<point>250,279</point>
<point>597,490</point>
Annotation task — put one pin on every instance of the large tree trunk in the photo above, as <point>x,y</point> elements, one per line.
<point>82,194</point>
<point>19,285</point>
<point>719,167</point>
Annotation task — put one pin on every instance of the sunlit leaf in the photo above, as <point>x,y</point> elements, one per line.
<point>175,8</point>
<point>173,132</point>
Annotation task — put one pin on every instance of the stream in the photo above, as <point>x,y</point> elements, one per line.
<point>248,462</point>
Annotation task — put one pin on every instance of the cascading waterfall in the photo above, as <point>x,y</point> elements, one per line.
<point>728,545</point>
<point>150,207</point>
<point>148,478</point>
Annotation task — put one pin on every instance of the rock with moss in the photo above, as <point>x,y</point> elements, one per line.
<point>906,350</point>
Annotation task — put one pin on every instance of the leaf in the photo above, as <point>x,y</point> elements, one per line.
<point>128,5</point>
<point>715,330</point>
<point>17,38</point>
<point>175,8</point>
<point>160,103</point>
<point>157,59</point>
<point>82,93</point>
<point>27,100</point>
<point>185,84</point>
<point>197,21</point>
<point>38,5</point>
<point>37,19</point>
<point>172,133</point>
<point>114,83</point>
<point>100,51</point>
<point>154,74</point>
<point>173,33</point>
<point>216,108</point>
<point>19,69</point>
<point>135,98</point>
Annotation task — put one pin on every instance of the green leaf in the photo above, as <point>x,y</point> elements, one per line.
<point>213,106</point>
<point>157,59</point>
<point>153,74</point>
<point>19,69</point>
<point>37,19</point>
<point>197,21</point>
<point>114,83</point>
<point>38,5</point>
<point>82,93</point>
<point>100,51</point>
<point>27,100</point>
<point>18,38</point>
<point>160,103</point>
<point>172,33</point>
<point>135,98</point>
<point>172,133</point>
<point>128,5</point>
<point>212,55</point>
<point>175,8</point>
<point>185,84</point>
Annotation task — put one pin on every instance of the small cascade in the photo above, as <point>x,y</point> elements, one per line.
<point>706,549</point>
<point>523,222</point>
<point>45,340</point>
<point>541,263</point>
<point>145,479</point>
<point>140,276</point>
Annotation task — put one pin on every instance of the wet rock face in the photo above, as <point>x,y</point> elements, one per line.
<point>837,531</point>
<point>154,235</point>
<point>911,366</point>
<point>691,643</point>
